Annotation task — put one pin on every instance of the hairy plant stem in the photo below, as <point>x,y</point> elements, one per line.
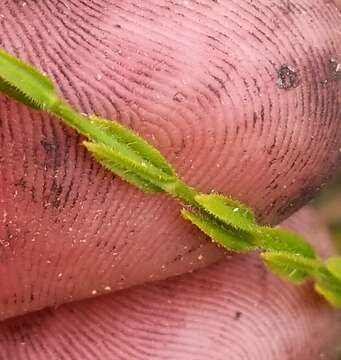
<point>183,192</point>
<point>226,221</point>
<point>77,121</point>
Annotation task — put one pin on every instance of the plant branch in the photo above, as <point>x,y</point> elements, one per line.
<point>226,221</point>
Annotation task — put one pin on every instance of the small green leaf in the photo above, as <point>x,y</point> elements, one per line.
<point>333,296</point>
<point>294,268</point>
<point>25,84</point>
<point>334,266</point>
<point>229,211</point>
<point>123,173</point>
<point>135,172</point>
<point>280,240</point>
<point>230,239</point>
<point>134,142</point>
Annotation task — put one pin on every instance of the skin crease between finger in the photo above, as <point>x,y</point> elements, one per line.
<point>338,4</point>
<point>233,310</point>
<point>241,97</point>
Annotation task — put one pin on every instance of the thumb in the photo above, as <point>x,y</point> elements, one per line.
<point>241,98</point>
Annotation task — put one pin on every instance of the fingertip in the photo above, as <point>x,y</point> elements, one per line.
<point>232,310</point>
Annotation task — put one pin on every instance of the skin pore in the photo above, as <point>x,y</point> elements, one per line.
<point>241,97</point>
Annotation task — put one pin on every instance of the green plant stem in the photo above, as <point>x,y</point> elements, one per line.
<point>227,221</point>
<point>183,192</point>
<point>77,121</point>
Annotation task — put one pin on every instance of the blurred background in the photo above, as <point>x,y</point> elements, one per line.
<point>329,205</point>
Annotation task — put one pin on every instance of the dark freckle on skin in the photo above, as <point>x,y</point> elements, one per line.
<point>334,69</point>
<point>33,194</point>
<point>21,183</point>
<point>54,196</point>
<point>179,97</point>
<point>238,315</point>
<point>177,258</point>
<point>53,159</point>
<point>287,77</point>
<point>48,146</point>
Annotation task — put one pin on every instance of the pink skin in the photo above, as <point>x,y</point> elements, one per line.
<point>215,313</point>
<point>204,82</point>
<point>338,4</point>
